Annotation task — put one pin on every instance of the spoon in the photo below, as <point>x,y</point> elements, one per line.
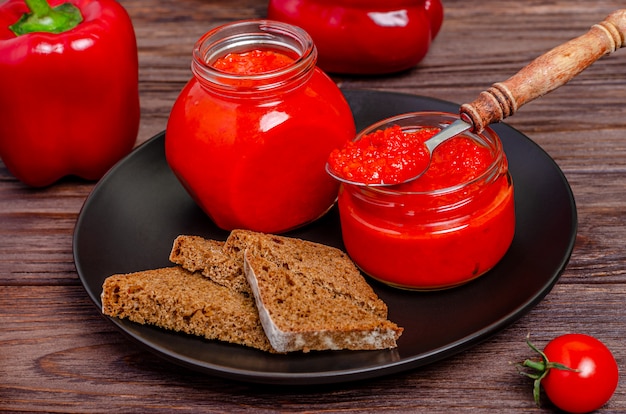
<point>543,75</point>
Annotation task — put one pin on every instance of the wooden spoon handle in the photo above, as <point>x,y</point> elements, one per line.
<point>546,73</point>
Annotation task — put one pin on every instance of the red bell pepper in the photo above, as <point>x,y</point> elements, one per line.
<point>364,36</point>
<point>69,103</point>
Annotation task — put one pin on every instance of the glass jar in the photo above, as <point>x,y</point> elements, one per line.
<point>435,238</point>
<point>365,36</point>
<point>251,148</point>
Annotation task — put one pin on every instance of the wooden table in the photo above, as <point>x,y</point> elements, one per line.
<point>58,354</point>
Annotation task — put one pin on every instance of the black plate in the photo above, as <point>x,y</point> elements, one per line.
<point>129,221</point>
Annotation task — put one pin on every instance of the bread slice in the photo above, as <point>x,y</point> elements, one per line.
<point>298,314</point>
<point>329,267</point>
<point>325,266</point>
<point>308,296</point>
<point>197,254</point>
<point>179,300</point>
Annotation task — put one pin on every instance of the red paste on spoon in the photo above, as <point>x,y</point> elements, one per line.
<point>393,156</point>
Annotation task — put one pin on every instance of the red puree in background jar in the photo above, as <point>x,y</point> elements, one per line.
<point>444,229</point>
<point>250,133</point>
<point>252,62</point>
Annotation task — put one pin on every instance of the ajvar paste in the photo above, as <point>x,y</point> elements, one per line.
<point>388,156</point>
<point>447,227</point>
<point>251,149</point>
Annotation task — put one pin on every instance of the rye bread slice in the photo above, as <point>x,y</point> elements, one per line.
<point>298,314</point>
<point>198,254</point>
<point>325,266</point>
<point>176,299</point>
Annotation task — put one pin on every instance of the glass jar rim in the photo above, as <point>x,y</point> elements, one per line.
<point>246,35</point>
<point>487,137</point>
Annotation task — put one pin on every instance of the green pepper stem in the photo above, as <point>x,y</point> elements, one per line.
<point>39,8</point>
<point>43,18</point>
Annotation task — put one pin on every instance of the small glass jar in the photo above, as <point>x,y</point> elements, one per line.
<point>251,148</point>
<point>365,36</point>
<point>432,239</point>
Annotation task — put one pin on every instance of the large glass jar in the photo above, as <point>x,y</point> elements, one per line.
<point>435,238</point>
<point>250,148</point>
<point>365,36</point>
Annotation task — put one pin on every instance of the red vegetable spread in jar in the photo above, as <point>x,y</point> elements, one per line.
<point>385,156</point>
<point>444,229</point>
<point>453,162</point>
<point>252,62</point>
<point>250,133</point>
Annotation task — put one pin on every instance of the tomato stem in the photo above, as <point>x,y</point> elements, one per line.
<point>539,369</point>
<point>535,365</point>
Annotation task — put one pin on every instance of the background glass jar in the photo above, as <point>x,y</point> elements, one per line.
<point>365,36</point>
<point>250,148</point>
<point>431,239</point>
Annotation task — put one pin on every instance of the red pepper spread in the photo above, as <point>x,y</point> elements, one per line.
<point>392,156</point>
<point>259,163</point>
<point>416,237</point>
<point>252,62</point>
<point>456,161</point>
<point>387,156</point>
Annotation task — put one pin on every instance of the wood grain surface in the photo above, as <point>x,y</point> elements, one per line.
<point>58,354</point>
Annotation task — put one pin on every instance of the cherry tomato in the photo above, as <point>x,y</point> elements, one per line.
<point>578,373</point>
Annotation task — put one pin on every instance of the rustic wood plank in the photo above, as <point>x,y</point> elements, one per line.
<point>79,363</point>
<point>58,354</point>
